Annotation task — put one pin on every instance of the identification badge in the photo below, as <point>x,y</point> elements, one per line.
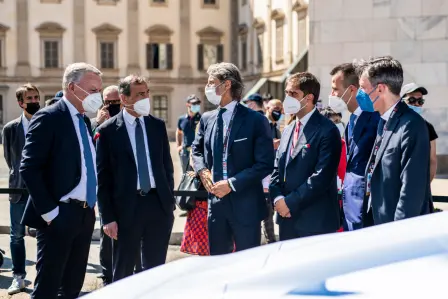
<point>368,186</point>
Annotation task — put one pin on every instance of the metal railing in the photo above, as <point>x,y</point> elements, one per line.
<point>435,198</point>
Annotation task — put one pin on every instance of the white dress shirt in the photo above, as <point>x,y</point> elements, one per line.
<point>304,120</point>
<point>357,112</point>
<point>226,117</point>
<point>387,114</point>
<point>130,126</point>
<point>80,191</point>
<point>25,124</point>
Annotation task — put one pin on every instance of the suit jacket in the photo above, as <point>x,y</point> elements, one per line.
<point>51,162</point>
<point>94,124</point>
<point>250,158</point>
<point>359,150</point>
<point>308,179</point>
<point>117,169</point>
<point>13,142</point>
<point>400,185</point>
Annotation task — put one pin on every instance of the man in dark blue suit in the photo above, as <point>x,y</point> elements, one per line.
<point>359,136</point>
<point>232,153</point>
<point>135,181</point>
<point>303,184</point>
<point>59,171</point>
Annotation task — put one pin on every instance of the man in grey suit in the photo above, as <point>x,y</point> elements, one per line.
<point>13,141</point>
<point>397,174</point>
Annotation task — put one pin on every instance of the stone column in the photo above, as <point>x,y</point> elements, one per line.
<point>133,37</point>
<point>290,38</point>
<point>233,41</point>
<point>79,28</point>
<point>268,55</point>
<point>185,68</point>
<point>23,64</point>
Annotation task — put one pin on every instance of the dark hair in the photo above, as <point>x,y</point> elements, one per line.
<point>267,96</point>
<point>228,71</point>
<point>20,92</point>
<point>124,85</point>
<point>307,83</point>
<point>349,73</point>
<point>329,113</point>
<point>382,70</point>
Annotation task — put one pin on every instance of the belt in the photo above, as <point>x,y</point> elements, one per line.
<point>143,193</point>
<point>82,204</point>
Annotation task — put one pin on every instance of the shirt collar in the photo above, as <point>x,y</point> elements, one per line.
<point>71,108</point>
<point>230,106</point>
<point>307,117</point>
<point>130,118</point>
<point>387,114</point>
<point>24,119</point>
<point>358,111</point>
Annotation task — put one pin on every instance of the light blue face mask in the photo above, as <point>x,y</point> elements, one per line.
<point>416,109</point>
<point>195,108</point>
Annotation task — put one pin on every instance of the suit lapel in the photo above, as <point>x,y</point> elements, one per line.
<point>21,135</point>
<point>70,128</point>
<point>150,132</point>
<point>210,129</point>
<point>122,133</point>
<point>308,132</point>
<point>388,131</point>
<point>357,132</point>
<point>238,120</point>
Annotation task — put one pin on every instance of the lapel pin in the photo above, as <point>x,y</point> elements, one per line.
<point>97,135</point>
<point>306,146</point>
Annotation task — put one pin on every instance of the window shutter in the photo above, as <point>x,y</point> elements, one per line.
<point>169,56</point>
<point>220,52</point>
<point>149,55</point>
<point>200,57</point>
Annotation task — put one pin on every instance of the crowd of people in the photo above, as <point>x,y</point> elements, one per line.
<point>259,159</point>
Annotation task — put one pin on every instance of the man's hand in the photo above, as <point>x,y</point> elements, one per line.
<point>276,143</point>
<point>206,178</point>
<point>179,148</point>
<point>102,115</point>
<point>111,229</point>
<point>282,208</point>
<point>221,189</point>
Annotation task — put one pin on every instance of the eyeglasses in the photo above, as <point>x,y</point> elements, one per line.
<point>113,102</point>
<point>413,100</point>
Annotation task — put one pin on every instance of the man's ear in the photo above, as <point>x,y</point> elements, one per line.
<point>20,104</point>
<point>123,100</point>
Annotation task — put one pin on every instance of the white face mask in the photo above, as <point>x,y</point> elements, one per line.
<point>142,107</point>
<point>212,97</point>
<point>92,102</point>
<point>337,104</point>
<point>292,105</point>
<point>341,128</point>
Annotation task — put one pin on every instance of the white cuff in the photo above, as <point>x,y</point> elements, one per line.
<point>278,198</point>
<point>231,185</point>
<point>266,181</point>
<point>51,215</point>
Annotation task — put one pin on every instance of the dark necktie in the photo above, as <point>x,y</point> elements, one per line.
<point>142,161</point>
<point>351,125</point>
<point>274,130</point>
<point>88,161</point>
<point>380,129</point>
<point>218,147</point>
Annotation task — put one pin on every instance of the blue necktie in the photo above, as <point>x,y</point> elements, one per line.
<point>351,125</point>
<point>381,124</point>
<point>142,161</point>
<point>218,148</point>
<point>88,160</point>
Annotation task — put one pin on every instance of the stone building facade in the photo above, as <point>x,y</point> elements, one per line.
<point>413,31</point>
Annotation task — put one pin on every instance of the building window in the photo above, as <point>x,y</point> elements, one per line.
<point>107,55</point>
<point>1,110</point>
<point>209,54</point>
<point>279,43</point>
<point>159,56</point>
<point>159,1</point>
<point>51,54</point>
<point>243,2</point>
<point>260,50</point>
<point>1,53</point>
<point>210,4</point>
<point>243,63</point>
<point>160,107</point>
<point>107,2</point>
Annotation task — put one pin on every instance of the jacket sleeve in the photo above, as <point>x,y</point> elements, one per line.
<point>167,161</point>
<point>6,140</point>
<point>105,177</point>
<point>263,156</point>
<point>197,148</point>
<point>35,155</point>
<point>414,170</point>
<point>324,173</point>
<point>275,185</point>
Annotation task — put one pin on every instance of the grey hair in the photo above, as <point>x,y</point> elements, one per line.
<point>382,70</point>
<point>75,71</point>
<point>228,71</point>
<point>110,89</point>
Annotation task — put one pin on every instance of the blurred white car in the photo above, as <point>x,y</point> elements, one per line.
<point>404,259</point>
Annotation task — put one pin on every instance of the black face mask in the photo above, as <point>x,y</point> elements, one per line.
<point>32,108</point>
<point>114,109</point>
<point>276,115</point>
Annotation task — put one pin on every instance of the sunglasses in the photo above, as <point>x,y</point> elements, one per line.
<point>419,101</point>
<point>113,102</point>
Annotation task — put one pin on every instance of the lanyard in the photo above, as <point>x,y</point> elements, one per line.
<point>227,133</point>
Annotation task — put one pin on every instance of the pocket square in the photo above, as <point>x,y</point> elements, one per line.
<point>238,140</point>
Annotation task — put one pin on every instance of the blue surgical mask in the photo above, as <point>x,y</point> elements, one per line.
<point>364,101</point>
<point>195,108</point>
<point>416,109</point>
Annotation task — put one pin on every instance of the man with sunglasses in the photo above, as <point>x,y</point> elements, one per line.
<point>112,106</point>
<point>412,94</point>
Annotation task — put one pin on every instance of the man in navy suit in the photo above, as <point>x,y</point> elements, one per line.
<point>232,153</point>
<point>359,136</point>
<point>59,171</point>
<point>135,181</point>
<point>303,184</point>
